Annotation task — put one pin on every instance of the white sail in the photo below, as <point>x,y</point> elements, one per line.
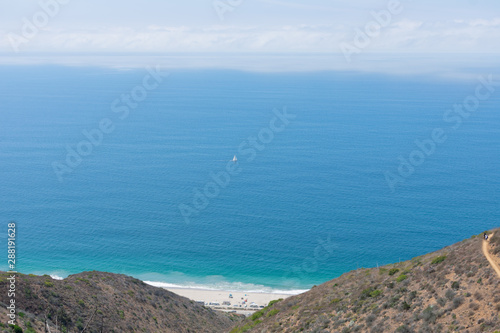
<point>235,159</point>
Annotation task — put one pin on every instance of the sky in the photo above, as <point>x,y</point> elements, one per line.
<point>343,27</point>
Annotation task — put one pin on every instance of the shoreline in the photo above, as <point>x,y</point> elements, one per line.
<point>240,302</point>
<point>257,289</point>
<point>224,299</point>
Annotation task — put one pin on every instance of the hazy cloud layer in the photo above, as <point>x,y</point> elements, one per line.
<point>257,26</point>
<point>403,35</point>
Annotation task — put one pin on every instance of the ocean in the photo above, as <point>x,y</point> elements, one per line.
<point>130,171</point>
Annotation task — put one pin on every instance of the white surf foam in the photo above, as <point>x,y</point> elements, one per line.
<point>230,287</point>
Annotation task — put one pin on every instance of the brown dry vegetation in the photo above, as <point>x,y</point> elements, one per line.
<point>495,243</point>
<point>107,303</point>
<point>451,290</point>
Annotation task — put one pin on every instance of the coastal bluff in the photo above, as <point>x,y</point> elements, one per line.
<point>455,289</point>
<point>105,302</point>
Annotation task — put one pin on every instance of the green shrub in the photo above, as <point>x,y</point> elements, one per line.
<point>403,329</point>
<point>401,278</point>
<point>449,294</point>
<point>370,319</point>
<point>29,328</point>
<point>393,301</point>
<point>429,316</point>
<point>441,301</point>
<point>257,315</point>
<point>438,260</point>
<point>393,271</point>
<point>17,329</point>
<point>48,283</point>
<point>79,324</point>
<point>273,312</point>
<point>336,300</point>
<point>457,301</point>
<point>369,292</point>
<point>246,327</point>
<point>83,280</point>
<point>275,301</point>
<point>21,314</point>
<point>405,306</point>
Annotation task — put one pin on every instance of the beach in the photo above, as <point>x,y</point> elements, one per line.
<point>238,302</point>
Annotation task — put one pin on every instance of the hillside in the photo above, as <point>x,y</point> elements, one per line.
<point>455,289</point>
<point>452,290</point>
<point>106,303</point>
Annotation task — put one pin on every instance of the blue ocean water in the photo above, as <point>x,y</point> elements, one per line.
<point>312,204</point>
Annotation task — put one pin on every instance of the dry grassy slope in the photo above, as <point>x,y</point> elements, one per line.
<point>451,290</point>
<point>123,304</point>
<point>495,243</point>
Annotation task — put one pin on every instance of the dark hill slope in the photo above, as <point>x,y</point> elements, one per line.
<point>107,303</point>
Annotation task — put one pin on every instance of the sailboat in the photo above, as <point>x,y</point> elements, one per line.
<point>235,159</point>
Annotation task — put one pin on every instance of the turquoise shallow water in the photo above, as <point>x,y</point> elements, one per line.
<point>312,203</point>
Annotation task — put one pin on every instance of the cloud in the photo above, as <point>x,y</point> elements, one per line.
<point>454,36</point>
<point>297,5</point>
<point>183,39</point>
<point>486,23</point>
<point>402,35</point>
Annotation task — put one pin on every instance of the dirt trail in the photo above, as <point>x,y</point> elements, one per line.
<point>490,259</point>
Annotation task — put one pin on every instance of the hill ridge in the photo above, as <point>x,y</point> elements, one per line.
<point>105,302</point>
<point>454,289</point>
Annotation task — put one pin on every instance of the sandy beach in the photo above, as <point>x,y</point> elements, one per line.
<point>239,302</point>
